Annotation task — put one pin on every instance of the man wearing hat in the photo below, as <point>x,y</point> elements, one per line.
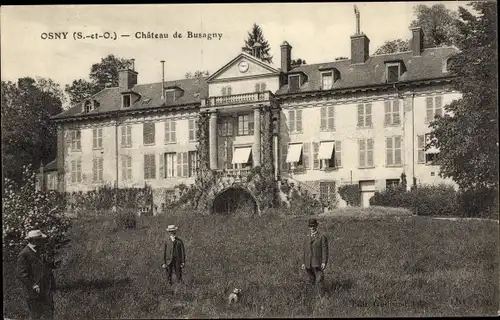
<point>315,254</point>
<point>174,255</point>
<point>35,272</point>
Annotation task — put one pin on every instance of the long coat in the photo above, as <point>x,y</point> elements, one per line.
<point>315,251</point>
<point>174,252</point>
<point>35,268</point>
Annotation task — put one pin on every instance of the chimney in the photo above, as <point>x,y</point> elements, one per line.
<point>286,57</point>
<point>417,43</point>
<point>162,79</point>
<point>257,50</point>
<point>360,44</point>
<point>127,78</point>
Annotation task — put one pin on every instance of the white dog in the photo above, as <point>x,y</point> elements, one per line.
<point>234,296</point>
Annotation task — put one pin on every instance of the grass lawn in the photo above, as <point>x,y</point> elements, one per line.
<point>382,266</point>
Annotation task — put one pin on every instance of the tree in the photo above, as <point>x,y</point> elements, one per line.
<point>257,36</point>
<point>393,46</point>
<point>438,24</point>
<point>102,75</point>
<point>197,74</point>
<point>468,137</point>
<point>28,135</point>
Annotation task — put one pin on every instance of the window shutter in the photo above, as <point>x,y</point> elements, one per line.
<point>185,164</point>
<point>263,86</point>
<point>179,164</point>
<point>369,153</point>
<point>78,140</point>
<point>129,135</point>
<point>368,114</point>
<point>421,148</point>
<point>323,118</point>
<point>429,110</point>
<point>223,91</point>
<point>291,121</point>
<point>124,135</point>
<point>395,110</point>
<point>315,155</point>
<point>361,115</point>
<point>99,142</point>
<point>162,165</point>
<point>79,170</point>
<point>257,87</point>
<point>397,150</point>
<point>229,89</point>
<point>389,153</point>
<point>305,154</point>
<point>439,105</point>
<point>129,167</point>
<point>94,138</point>
<point>299,120</point>
<point>191,129</point>
<point>167,131</point>
<point>173,131</point>
<point>387,112</point>
<point>94,169</point>
<point>146,164</point>
<point>124,167</point>
<point>284,152</point>
<point>338,153</point>
<point>362,154</point>
<point>101,165</point>
<point>331,119</point>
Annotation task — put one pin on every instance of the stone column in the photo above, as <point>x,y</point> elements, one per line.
<point>275,122</point>
<point>256,136</point>
<point>213,140</point>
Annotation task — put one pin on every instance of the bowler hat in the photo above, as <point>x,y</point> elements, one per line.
<point>313,223</point>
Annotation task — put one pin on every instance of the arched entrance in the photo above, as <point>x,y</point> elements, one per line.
<point>234,200</point>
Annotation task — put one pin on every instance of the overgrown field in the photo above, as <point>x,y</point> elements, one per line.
<point>382,266</point>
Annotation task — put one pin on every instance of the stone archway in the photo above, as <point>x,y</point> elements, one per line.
<point>235,200</point>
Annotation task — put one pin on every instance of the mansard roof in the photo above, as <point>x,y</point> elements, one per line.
<point>426,66</point>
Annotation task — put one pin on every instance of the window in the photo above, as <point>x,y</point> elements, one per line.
<point>365,153</point>
<point>316,161</point>
<point>392,115</point>
<point>393,73</point>
<point>327,191</point>
<point>226,127</point>
<point>260,87</point>
<point>295,121</point>
<point>76,171</point>
<point>245,124</point>
<point>434,107</point>
<point>364,115</point>
<point>148,133</point>
<point>182,164</point>
<point>88,106</point>
<point>97,138</point>
<point>149,166</point>
<point>126,136</point>
<point>170,130</point>
<point>193,132</point>
<point>126,167</point>
<point>242,157</point>
<point>393,151</point>
<point>126,100</point>
<point>193,163</point>
<point>330,154</point>
<point>97,169</point>
<point>294,82</point>
<point>327,118</point>
<point>170,161</point>
<point>75,140</point>
<point>169,96</point>
<point>226,91</point>
<point>391,183</point>
<point>326,80</point>
<point>298,156</point>
<point>426,156</point>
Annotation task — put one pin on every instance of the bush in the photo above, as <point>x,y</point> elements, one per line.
<point>25,209</point>
<point>303,204</point>
<point>351,193</point>
<point>126,219</point>
<point>481,202</point>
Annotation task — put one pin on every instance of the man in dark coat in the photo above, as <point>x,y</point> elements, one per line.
<point>315,257</point>
<point>35,272</point>
<point>174,257</point>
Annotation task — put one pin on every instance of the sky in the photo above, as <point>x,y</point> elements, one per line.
<point>318,32</point>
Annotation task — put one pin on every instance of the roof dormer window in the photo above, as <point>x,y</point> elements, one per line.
<point>88,106</point>
<point>126,100</point>
<point>393,72</point>
<point>169,96</point>
<point>294,82</point>
<point>326,80</point>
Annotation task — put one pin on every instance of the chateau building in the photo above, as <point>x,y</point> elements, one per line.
<point>362,120</point>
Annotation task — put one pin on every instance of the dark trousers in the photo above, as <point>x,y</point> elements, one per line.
<point>171,268</point>
<point>41,307</point>
<point>316,277</point>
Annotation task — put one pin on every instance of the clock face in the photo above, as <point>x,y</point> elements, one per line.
<point>243,66</point>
